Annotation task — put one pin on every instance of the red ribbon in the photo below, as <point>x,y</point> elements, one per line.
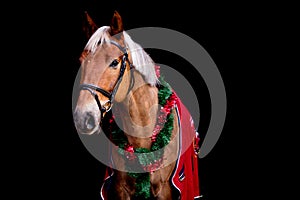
<point>129,152</point>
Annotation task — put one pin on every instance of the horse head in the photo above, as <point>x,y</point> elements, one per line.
<point>105,74</point>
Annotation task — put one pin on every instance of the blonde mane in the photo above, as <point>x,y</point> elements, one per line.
<point>142,62</point>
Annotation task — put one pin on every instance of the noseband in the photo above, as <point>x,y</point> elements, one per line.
<point>110,95</point>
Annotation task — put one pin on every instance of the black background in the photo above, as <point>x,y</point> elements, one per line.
<point>55,163</point>
<point>213,31</point>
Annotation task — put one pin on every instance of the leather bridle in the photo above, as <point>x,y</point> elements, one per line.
<point>106,106</point>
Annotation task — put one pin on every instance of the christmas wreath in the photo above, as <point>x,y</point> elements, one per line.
<point>148,159</point>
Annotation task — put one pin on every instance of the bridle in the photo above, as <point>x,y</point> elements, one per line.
<point>106,106</point>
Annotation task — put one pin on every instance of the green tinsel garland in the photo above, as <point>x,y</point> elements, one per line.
<point>146,157</point>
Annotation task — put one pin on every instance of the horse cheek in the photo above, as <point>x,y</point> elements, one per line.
<point>123,88</point>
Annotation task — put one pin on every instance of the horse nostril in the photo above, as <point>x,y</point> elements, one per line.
<point>90,122</point>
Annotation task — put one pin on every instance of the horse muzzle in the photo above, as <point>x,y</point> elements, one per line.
<point>86,122</point>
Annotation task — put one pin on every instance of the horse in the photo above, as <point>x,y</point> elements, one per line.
<point>122,94</point>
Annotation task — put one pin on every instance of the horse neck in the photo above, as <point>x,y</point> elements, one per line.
<point>138,113</point>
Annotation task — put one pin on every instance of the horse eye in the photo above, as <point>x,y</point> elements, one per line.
<point>114,63</point>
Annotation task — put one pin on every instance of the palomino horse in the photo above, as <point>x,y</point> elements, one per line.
<point>154,145</point>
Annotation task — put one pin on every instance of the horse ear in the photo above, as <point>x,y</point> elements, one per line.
<point>116,25</point>
<point>88,26</point>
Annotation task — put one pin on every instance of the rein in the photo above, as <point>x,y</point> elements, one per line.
<point>106,106</point>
